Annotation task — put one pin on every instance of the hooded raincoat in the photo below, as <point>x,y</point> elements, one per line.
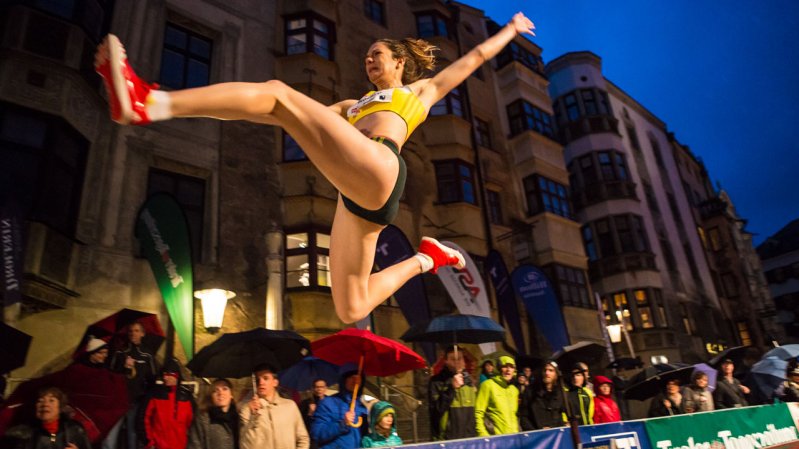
<point>375,438</point>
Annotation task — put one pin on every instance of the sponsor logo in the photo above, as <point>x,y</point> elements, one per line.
<point>770,437</point>
<point>623,440</point>
<point>163,249</point>
<point>9,271</point>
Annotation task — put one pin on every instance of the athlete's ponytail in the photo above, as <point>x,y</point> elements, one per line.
<point>418,56</point>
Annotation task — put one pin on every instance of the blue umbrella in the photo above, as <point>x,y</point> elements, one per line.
<point>785,352</point>
<point>453,329</point>
<point>709,372</point>
<point>765,376</point>
<point>302,374</point>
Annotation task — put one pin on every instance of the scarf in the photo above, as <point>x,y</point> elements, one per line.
<point>229,419</point>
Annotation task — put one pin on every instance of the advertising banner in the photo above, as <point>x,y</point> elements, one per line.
<point>12,249</point>
<point>506,298</point>
<point>625,435</point>
<point>467,290</point>
<point>164,237</point>
<point>747,427</point>
<point>540,439</point>
<point>543,306</point>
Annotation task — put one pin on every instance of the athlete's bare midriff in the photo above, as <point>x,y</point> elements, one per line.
<point>383,124</point>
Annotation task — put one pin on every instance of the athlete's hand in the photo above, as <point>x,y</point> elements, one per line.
<point>521,24</point>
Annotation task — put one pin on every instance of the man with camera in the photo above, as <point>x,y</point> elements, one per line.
<point>451,396</point>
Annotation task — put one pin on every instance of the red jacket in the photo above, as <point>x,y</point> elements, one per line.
<point>605,408</point>
<point>167,419</point>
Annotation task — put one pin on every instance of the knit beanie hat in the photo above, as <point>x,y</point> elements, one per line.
<point>95,344</point>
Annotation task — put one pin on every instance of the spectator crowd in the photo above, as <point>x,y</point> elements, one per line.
<point>158,410</point>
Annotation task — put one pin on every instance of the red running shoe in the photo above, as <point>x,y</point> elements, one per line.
<point>442,256</point>
<point>127,93</point>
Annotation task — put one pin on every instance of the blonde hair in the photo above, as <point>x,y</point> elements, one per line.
<point>418,56</point>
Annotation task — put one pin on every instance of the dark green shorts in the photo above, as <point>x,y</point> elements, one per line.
<point>386,214</point>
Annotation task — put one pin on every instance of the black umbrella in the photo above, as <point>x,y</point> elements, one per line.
<point>14,348</point>
<point>626,363</point>
<point>453,329</point>
<point>235,355</point>
<point>650,387</point>
<point>582,351</point>
<point>736,354</point>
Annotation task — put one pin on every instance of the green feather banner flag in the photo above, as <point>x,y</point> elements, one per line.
<point>164,237</point>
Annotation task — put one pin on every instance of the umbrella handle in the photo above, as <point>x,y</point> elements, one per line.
<point>355,395</point>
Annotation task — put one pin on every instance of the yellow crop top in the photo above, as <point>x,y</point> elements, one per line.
<point>399,100</point>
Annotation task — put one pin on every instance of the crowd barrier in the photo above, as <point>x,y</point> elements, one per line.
<point>739,428</point>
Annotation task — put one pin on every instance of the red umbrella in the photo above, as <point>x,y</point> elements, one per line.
<point>97,396</point>
<point>375,355</point>
<point>114,328</point>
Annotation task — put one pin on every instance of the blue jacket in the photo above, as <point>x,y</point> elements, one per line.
<point>329,429</point>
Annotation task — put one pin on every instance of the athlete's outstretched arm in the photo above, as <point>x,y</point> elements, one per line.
<point>444,81</point>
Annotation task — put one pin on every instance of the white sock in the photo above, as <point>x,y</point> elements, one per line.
<point>158,105</point>
<point>425,262</point>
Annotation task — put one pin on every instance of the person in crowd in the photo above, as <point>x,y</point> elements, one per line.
<point>605,408</point>
<point>521,383</point>
<point>216,426</point>
<point>308,406</point>
<point>167,411</point>
<point>270,421</point>
<point>543,402</point>
<point>498,401</point>
<point>528,373</point>
<point>52,429</point>
<point>669,402</point>
<point>698,394</point>
<point>788,391</point>
<point>581,400</point>
<point>451,396</point>
<point>586,372</point>
<point>332,426</point>
<point>135,362</point>
<point>729,392</point>
<point>382,427</point>
<point>486,371</point>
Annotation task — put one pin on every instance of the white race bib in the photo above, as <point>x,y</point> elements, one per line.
<point>381,96</point>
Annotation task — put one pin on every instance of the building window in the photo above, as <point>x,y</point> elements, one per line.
<point>307,260</point>
<point>589,101</point>
<point>291,149</point>
<point>189,192</point>
<point>43,160</point>
<point>482,133</point>
<point>590,246</point>
<point>523,116</point>
<point>663,321</point>
<point>599,166</point>
<point>455,181</point>
<point>715,239</point>
<point>633,138</point>
<point>581,103</point>
<point>515,52</point>
<point>644,309</point>
<point>310,33</point>
<point>546,195</point>
<point>451,104</point>
<point>730,283</point>
<point>686,320</point>
<point>656,151</point>
<point>494,207</point>
<point>743,333</point>
<point>571,285</point>
<point>430,24</point>
<point>375,10</point>
<point>622,310</point>
<point>186,59</point>
<point>91,15</point>
<point>616,234</point>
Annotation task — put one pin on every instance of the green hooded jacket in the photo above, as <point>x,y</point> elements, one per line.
<point>498,401</point>
<point>375,439</point>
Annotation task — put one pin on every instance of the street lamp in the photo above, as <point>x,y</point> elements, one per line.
<point>213,302</point>
<point>614,332</point>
